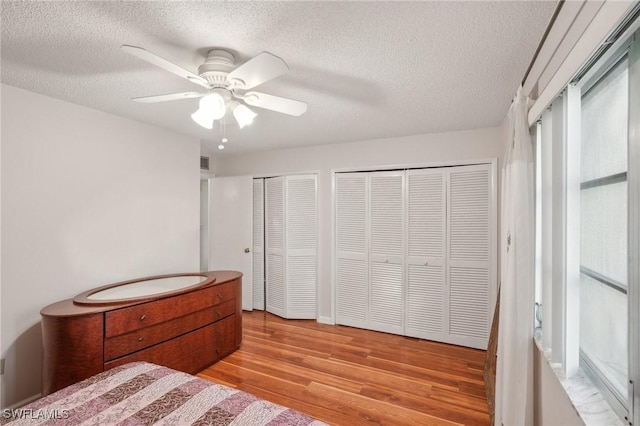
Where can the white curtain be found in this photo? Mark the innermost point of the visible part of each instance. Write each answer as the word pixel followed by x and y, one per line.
pixel 514 380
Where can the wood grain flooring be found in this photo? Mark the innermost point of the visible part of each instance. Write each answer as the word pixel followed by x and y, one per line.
pixel 348 376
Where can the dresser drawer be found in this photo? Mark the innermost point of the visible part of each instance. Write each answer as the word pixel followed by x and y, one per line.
pixel 130 319
pixel 189 352
pixel 125 344
pixel 225 327
pixel 225 345
pixel 224 337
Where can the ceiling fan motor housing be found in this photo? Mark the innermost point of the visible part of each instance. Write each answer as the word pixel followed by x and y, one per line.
pixel 216 67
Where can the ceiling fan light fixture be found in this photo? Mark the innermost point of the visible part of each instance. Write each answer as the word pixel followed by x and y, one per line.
pixel 243 115
pixel 214 105
pixel 220 76
pixel 203 118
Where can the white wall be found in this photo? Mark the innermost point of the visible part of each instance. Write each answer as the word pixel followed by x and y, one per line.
pixel 88 198
pixel 417 149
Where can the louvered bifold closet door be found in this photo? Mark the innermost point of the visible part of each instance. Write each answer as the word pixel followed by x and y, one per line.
pixel 469 249
pixel 386 248
pixel 301 247
pixel 258 244
pixel 427 293
pixel 275 246
pixel 352 249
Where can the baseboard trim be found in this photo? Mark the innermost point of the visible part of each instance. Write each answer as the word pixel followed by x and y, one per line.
pixel 326 320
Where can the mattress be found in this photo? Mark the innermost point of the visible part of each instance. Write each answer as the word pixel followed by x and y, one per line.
pixel 142 393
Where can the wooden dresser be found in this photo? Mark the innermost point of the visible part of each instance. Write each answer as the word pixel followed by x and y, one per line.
pixel 187 329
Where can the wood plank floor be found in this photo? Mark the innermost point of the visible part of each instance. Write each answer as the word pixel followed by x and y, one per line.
pixel 348 376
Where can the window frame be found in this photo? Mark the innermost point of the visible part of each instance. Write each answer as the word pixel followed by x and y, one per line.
pixel 597 73
pixel 560 267
pixel 633 182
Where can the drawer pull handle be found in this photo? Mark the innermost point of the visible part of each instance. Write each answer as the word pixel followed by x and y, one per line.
pixel 219 296
pixel 218 314
pixel 142 317
pixel 217 351
pixel 140 339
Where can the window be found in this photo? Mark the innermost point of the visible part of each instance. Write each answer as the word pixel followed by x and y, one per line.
pixel 603 232
pixel 587 225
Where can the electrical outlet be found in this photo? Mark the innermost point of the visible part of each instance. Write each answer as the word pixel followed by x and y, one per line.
pixel 1 366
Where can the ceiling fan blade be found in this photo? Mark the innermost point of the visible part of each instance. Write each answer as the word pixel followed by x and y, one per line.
pixel 156 60
pixel 170 97
pixel 275 103
pixel 258 70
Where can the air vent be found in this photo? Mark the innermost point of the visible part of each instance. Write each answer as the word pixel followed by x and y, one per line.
pixel 204 163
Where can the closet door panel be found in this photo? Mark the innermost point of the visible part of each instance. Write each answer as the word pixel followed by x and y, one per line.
pixel 386 298
pixel 469 304
pixel 426 315
pixel 275 246
pixel 426 301
pixel 386 301
pixel 258 244
pixel 301 237
pixel 275 285
pixel 352 247
pixel 469 254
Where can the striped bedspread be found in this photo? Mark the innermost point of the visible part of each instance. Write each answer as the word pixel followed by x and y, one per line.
pixel 141 393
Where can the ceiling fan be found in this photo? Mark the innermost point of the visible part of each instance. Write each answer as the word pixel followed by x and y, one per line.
pixel 226 85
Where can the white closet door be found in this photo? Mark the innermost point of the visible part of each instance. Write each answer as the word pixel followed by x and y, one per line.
pixel 258 244
pixel 275 246
pixel 352 249
pixel 301 247
pixel 386 262
pixel 469 250
pixel 427 292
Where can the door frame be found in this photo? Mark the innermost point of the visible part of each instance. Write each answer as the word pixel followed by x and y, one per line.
pixel 247 287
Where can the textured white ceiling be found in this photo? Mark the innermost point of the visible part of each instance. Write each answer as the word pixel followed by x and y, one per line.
pixel 367 69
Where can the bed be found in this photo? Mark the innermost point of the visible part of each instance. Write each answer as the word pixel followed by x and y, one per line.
pixel 142 393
